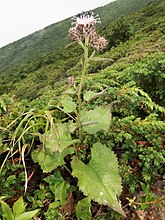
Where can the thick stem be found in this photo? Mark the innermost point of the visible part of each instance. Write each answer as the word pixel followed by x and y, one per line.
pixel 84 68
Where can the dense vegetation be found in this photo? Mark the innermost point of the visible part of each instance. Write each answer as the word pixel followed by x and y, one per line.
pixel 44 148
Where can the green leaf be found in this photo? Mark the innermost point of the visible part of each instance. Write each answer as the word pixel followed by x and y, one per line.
pixel 61 192
pixel 96 120
pixel 56 142
pixel 70 91
pixel 68 104
pixel 100 180
pixel 7 212
pixel 58 186
pixel 83 211
pixel 72 127
pixel 57 138
pixel 19 206
pixel 50 160
pixel 27 215
pixel 54 205
pixel 88 95
pixel 2 104
pixel 101 59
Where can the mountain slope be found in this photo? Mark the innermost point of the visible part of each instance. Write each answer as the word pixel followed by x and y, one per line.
pixel 130 39
pixel 54 36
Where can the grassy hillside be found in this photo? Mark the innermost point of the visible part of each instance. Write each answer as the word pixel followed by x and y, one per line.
pixel 54 36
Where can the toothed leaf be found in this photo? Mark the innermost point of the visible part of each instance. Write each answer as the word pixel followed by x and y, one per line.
pixel 97 119
pixel 48 160
pixel 57 138
pixel 100 180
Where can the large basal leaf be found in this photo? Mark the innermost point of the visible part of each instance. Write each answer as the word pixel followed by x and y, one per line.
pixel 96 120
pixel 100 180
pixel 50 160
pixel 57 138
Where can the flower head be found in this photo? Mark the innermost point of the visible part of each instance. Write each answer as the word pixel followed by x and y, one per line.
pixel 86 18
pixel 99 43
pixel 85 26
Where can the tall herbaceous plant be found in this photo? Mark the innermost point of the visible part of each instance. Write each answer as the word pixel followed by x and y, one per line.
pixel 95 166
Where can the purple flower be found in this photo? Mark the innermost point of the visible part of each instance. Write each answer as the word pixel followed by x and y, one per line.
pixel 85 26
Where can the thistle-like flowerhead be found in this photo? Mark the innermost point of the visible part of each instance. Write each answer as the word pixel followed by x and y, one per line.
pixel 85 26
pixel 86 19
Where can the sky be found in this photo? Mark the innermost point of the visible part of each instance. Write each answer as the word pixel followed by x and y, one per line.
pixel 19 18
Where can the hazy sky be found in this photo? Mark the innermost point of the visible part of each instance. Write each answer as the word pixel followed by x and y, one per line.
pixel 19 18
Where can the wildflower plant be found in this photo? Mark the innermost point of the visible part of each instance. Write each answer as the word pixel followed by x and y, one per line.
pixel 67 124
pixel 84 33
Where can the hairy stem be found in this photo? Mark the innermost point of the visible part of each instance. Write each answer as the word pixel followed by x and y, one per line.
pixel 84 68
